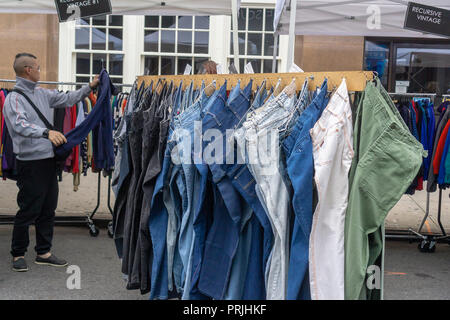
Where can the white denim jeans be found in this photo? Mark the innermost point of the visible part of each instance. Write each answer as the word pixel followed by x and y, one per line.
pixel 332 138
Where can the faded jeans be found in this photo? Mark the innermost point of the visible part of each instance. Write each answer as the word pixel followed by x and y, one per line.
pixel 271 189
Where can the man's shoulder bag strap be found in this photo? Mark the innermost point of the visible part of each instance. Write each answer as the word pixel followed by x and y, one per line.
pixel 41 116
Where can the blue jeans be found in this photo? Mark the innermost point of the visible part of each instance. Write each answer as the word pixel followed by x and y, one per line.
pixel 204 206
pixel 203 219
pixel 158 221
pixel 223 238
pixel 186 236
pixel 187 98
pixel 300 165
pixel 243 182
pixel 262 233
pixel 254 286
pixel 173 199
pixel 239 268
pixel 259 99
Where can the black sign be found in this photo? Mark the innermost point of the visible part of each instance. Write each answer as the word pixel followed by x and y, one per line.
pixel 427 19
pixel 75 9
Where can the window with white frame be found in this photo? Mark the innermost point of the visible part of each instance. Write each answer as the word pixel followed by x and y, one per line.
pixel 172 42
pixel 256 39
pixel 99 43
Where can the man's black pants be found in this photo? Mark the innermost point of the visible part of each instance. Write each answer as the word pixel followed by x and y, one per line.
pixel 37 200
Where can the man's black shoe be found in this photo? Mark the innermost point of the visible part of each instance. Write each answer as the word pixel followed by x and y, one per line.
pixel 51 261
pixel 20 265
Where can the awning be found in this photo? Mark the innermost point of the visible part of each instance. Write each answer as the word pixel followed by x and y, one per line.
pixel 144 7
pixel 132 7
pixel 350 17
pixel 382 18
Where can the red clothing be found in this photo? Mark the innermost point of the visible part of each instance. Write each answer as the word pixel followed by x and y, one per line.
pixel 419 184
pixel 67 126
pixel 2 102
pixel 440 148
pixel 93 99
pixel 76 150
pixel 416 112
pixel 124 105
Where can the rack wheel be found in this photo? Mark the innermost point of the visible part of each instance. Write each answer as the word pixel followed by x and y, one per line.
pixel 110 230
pixel 93 230
pixel 427 246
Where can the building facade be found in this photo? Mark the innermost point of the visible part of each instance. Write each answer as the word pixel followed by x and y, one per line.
pixel 144 45
pixel 38 34
pixel 128 46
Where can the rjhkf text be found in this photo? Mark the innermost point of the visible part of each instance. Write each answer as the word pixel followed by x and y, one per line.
pixel 231 309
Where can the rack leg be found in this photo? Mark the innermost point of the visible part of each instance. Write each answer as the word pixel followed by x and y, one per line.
pixel 439 213
pixel 427 213
pixel 110 224
pixel 93 230
pixel 109 194
pixel 98 196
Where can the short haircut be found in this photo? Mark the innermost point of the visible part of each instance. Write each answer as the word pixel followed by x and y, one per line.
pixel 18 67
pixel 24 54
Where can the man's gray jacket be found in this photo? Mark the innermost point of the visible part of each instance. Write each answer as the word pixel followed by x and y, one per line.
pixel 23 123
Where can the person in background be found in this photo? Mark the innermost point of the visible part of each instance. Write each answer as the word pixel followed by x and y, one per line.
pixel 33 145
pixel 209 67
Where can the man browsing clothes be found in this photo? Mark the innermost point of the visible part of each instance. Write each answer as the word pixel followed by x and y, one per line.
pixel 33 145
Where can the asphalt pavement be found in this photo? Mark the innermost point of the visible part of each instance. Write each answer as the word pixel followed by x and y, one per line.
pixel 409 274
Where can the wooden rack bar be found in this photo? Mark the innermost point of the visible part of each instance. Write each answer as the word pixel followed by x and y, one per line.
pixel 356 80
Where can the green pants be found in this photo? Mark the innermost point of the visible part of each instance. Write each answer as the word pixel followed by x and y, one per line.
pixel 387 159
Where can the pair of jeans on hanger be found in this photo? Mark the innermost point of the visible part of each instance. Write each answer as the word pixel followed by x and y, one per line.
pixel 262 148
pixel 187 121
pixel 154 140
pixel 297 149
pixel 332 139
pixel 223 238
pixel 386 160
pixel 122 172
pixel 179 198
pixel 131 260
pixel 157 219
pixel 205 206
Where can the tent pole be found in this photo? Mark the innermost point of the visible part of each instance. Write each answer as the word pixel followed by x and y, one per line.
pixel 275 48
pixel 291 47
pixel 234 14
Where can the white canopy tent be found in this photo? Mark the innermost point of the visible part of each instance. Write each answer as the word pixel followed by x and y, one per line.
pixel 132 7
pixel 346 18
pixel 143 7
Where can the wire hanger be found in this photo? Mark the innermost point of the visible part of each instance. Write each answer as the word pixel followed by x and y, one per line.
pixel 187 97
pixel 251 108
pixel 277 89
pixel 210 88
pixel 298 103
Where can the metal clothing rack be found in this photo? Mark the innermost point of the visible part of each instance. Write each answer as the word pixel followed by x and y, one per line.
pixel 57 83
pixel 74 220
pixel 428 243
pixel 413 94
